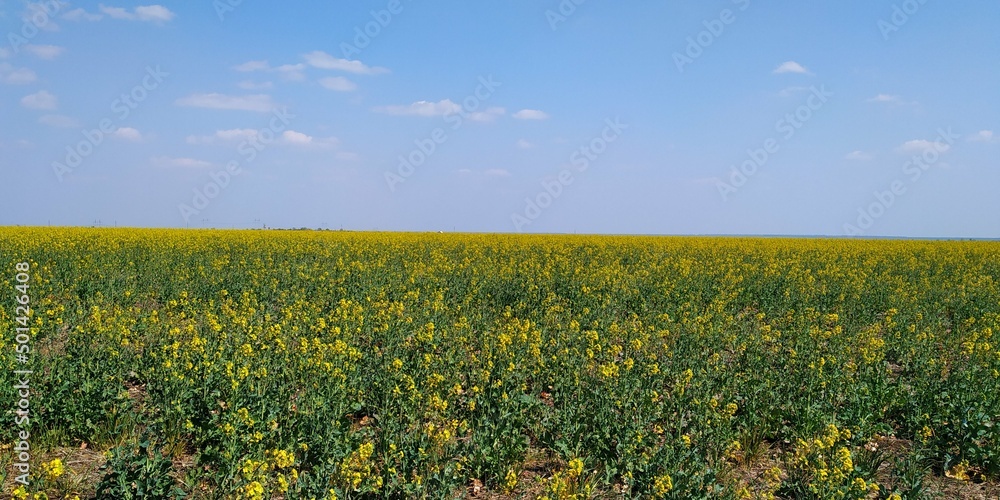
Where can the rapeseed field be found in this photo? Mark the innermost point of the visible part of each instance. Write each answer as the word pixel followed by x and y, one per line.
pixel 318 365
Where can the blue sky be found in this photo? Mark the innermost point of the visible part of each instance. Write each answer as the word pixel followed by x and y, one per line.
pixel 711 117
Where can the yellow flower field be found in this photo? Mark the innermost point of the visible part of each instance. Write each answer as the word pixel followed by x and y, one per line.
pixel 303 364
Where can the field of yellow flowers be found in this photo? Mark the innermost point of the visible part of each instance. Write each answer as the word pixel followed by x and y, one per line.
pixel 302 364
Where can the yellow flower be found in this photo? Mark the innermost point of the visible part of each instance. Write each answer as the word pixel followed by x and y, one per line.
pixel 662 485
pixel 282 459
pixel 54 469
pixel 575 467
pixel 365 451
pixel 253 491
pixel 510 480
pixel 959 471
pixel 926 433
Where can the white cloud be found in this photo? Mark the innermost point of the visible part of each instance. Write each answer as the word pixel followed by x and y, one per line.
pixel 236 133
pixel 152 13
pixel 58 121
pixel 250 85
pixel 166 161
pixel 292 72
pixel 531 114
pixel 858 156
pixel 886 98
pixel 288 138
pixel 128 134
pixel 983 136
pixel 223 135
pixel 256 102
pixel 322 60
pixel 918 146
pixel 488 115
pixel 253 66
pixel 157 13
pixel 81 15
pixel 298 138
pixel 497 172
pixel 40 100
pixel 116 12
pixel 421 108
pixel 338 83
pixel 524 144
pixel 16 76
pixel 44 51
pixel 295 138
pixel 791 67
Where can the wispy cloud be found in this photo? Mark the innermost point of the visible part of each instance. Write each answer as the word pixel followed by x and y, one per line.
pixel 256 102
pixel 44 51
pixel 791 67
pixel 421 108
pixel 288 138
pixel 79 14
pixel 42 99
pixel 252 66
pixel 918 146
pixel 292 72
pixel 338 83
pixel 251 85
pixel 488 115
pixel 322 60
pixel 891 99
pixel 859 156
pixel 296 138
pixel 531 114
pixel 167 161
pixel 984 136
pixel 886 98
pixel 127 134
pixel 58 121
pixel 16 76
pixel 524 144
pixel 223 135
pixel 150 13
